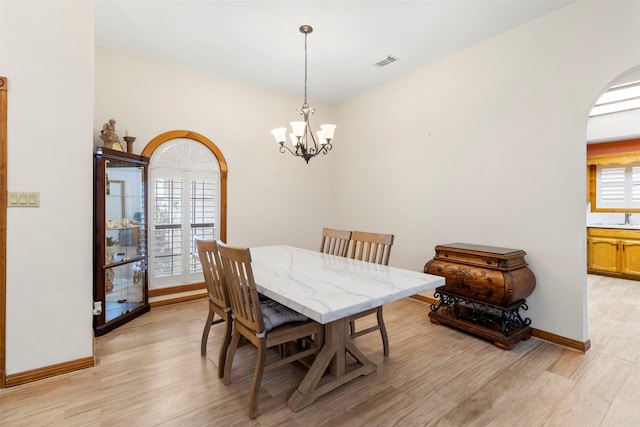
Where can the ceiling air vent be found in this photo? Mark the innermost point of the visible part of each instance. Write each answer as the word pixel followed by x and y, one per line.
pixel 385 61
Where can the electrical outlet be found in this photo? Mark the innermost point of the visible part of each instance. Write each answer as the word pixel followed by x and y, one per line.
pixel 97 308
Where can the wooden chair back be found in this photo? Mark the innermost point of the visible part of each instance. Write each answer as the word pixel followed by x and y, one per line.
pixel 212 272
pixel 218 299
pixel 335 242
pixel 370 247
pixel 241 287
pixel 376 248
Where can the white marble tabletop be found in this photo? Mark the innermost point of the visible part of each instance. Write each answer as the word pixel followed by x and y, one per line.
pixel 327 287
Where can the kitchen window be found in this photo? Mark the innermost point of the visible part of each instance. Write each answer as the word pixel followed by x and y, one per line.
pixel 618 186
pixel 613 176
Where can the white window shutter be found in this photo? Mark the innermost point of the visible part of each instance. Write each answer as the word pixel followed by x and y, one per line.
pixel 635 186
pixel 618 186
pixel 611 191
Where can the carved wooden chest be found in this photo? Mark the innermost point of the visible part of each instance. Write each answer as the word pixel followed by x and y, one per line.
pixel 485 287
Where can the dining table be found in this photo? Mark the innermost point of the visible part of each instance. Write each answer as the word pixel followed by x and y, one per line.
pixel 329 289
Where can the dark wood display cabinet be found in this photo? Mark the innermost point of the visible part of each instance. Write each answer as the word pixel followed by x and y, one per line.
pixel 120 239
pixel 485 288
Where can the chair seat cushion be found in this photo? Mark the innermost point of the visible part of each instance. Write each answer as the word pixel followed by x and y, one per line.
pixel 276 314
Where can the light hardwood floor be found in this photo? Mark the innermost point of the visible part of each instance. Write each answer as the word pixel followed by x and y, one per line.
pixel 150 373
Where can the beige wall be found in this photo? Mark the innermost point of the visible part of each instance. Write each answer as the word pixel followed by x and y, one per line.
pixel 47 56
pixel 487 146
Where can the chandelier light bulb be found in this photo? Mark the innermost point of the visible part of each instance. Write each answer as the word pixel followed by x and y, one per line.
pixel 298 128
pixel 321 137
pixel 327 131
pixel 280 134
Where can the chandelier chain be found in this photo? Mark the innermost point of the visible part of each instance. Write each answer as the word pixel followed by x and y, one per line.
pixel 305 69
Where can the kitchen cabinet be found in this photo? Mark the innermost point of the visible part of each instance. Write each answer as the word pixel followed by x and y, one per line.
pixel 613 252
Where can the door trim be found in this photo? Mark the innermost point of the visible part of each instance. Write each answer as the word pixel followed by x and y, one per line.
pixel 3 229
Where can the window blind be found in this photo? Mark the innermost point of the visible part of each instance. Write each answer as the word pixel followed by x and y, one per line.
pixel 618 186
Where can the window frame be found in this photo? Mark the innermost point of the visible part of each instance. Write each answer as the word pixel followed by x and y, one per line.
pixel 148 151
pixel 617 186
pixel 604 160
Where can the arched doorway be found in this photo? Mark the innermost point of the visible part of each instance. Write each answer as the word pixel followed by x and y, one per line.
pixel 187 200
pixel 613 144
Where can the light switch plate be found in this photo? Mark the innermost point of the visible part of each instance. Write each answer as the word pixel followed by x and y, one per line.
pixel 22 199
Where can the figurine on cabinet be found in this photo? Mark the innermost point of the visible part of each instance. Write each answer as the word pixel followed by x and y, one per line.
pixel 109 136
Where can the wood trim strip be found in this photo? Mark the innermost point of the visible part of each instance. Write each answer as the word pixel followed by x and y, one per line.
pixel 3 228
pixel 562 341
pixel 424 299
pixel 608 159
pixel 49 371
pixel 536 333
pixel 176 289
pixel 177 300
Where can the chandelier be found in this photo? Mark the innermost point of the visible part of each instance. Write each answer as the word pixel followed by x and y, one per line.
pixel 304 142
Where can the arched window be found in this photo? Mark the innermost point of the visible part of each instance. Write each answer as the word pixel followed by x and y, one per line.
pixel 187 200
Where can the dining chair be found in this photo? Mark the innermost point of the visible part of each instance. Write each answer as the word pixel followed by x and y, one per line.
pixel 335 242
pixel 376 248
pixel 265 324
pixel 218 299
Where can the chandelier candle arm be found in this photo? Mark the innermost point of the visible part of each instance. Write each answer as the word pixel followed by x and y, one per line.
pixel 302 138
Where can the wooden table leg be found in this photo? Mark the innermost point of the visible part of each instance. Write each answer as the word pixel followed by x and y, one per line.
pixel 332 356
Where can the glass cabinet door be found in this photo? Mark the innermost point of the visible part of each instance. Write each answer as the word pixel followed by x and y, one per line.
pixel 120 285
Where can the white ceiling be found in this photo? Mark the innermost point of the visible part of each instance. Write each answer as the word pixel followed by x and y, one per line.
pixel 258 42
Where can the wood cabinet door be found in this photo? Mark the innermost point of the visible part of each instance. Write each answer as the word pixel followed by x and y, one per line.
pixel 630 257
pixel 604 254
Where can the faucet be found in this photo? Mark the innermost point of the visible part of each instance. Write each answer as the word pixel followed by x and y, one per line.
pixel 627 214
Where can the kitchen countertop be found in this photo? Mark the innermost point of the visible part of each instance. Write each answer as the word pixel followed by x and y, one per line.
pixel 614 225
